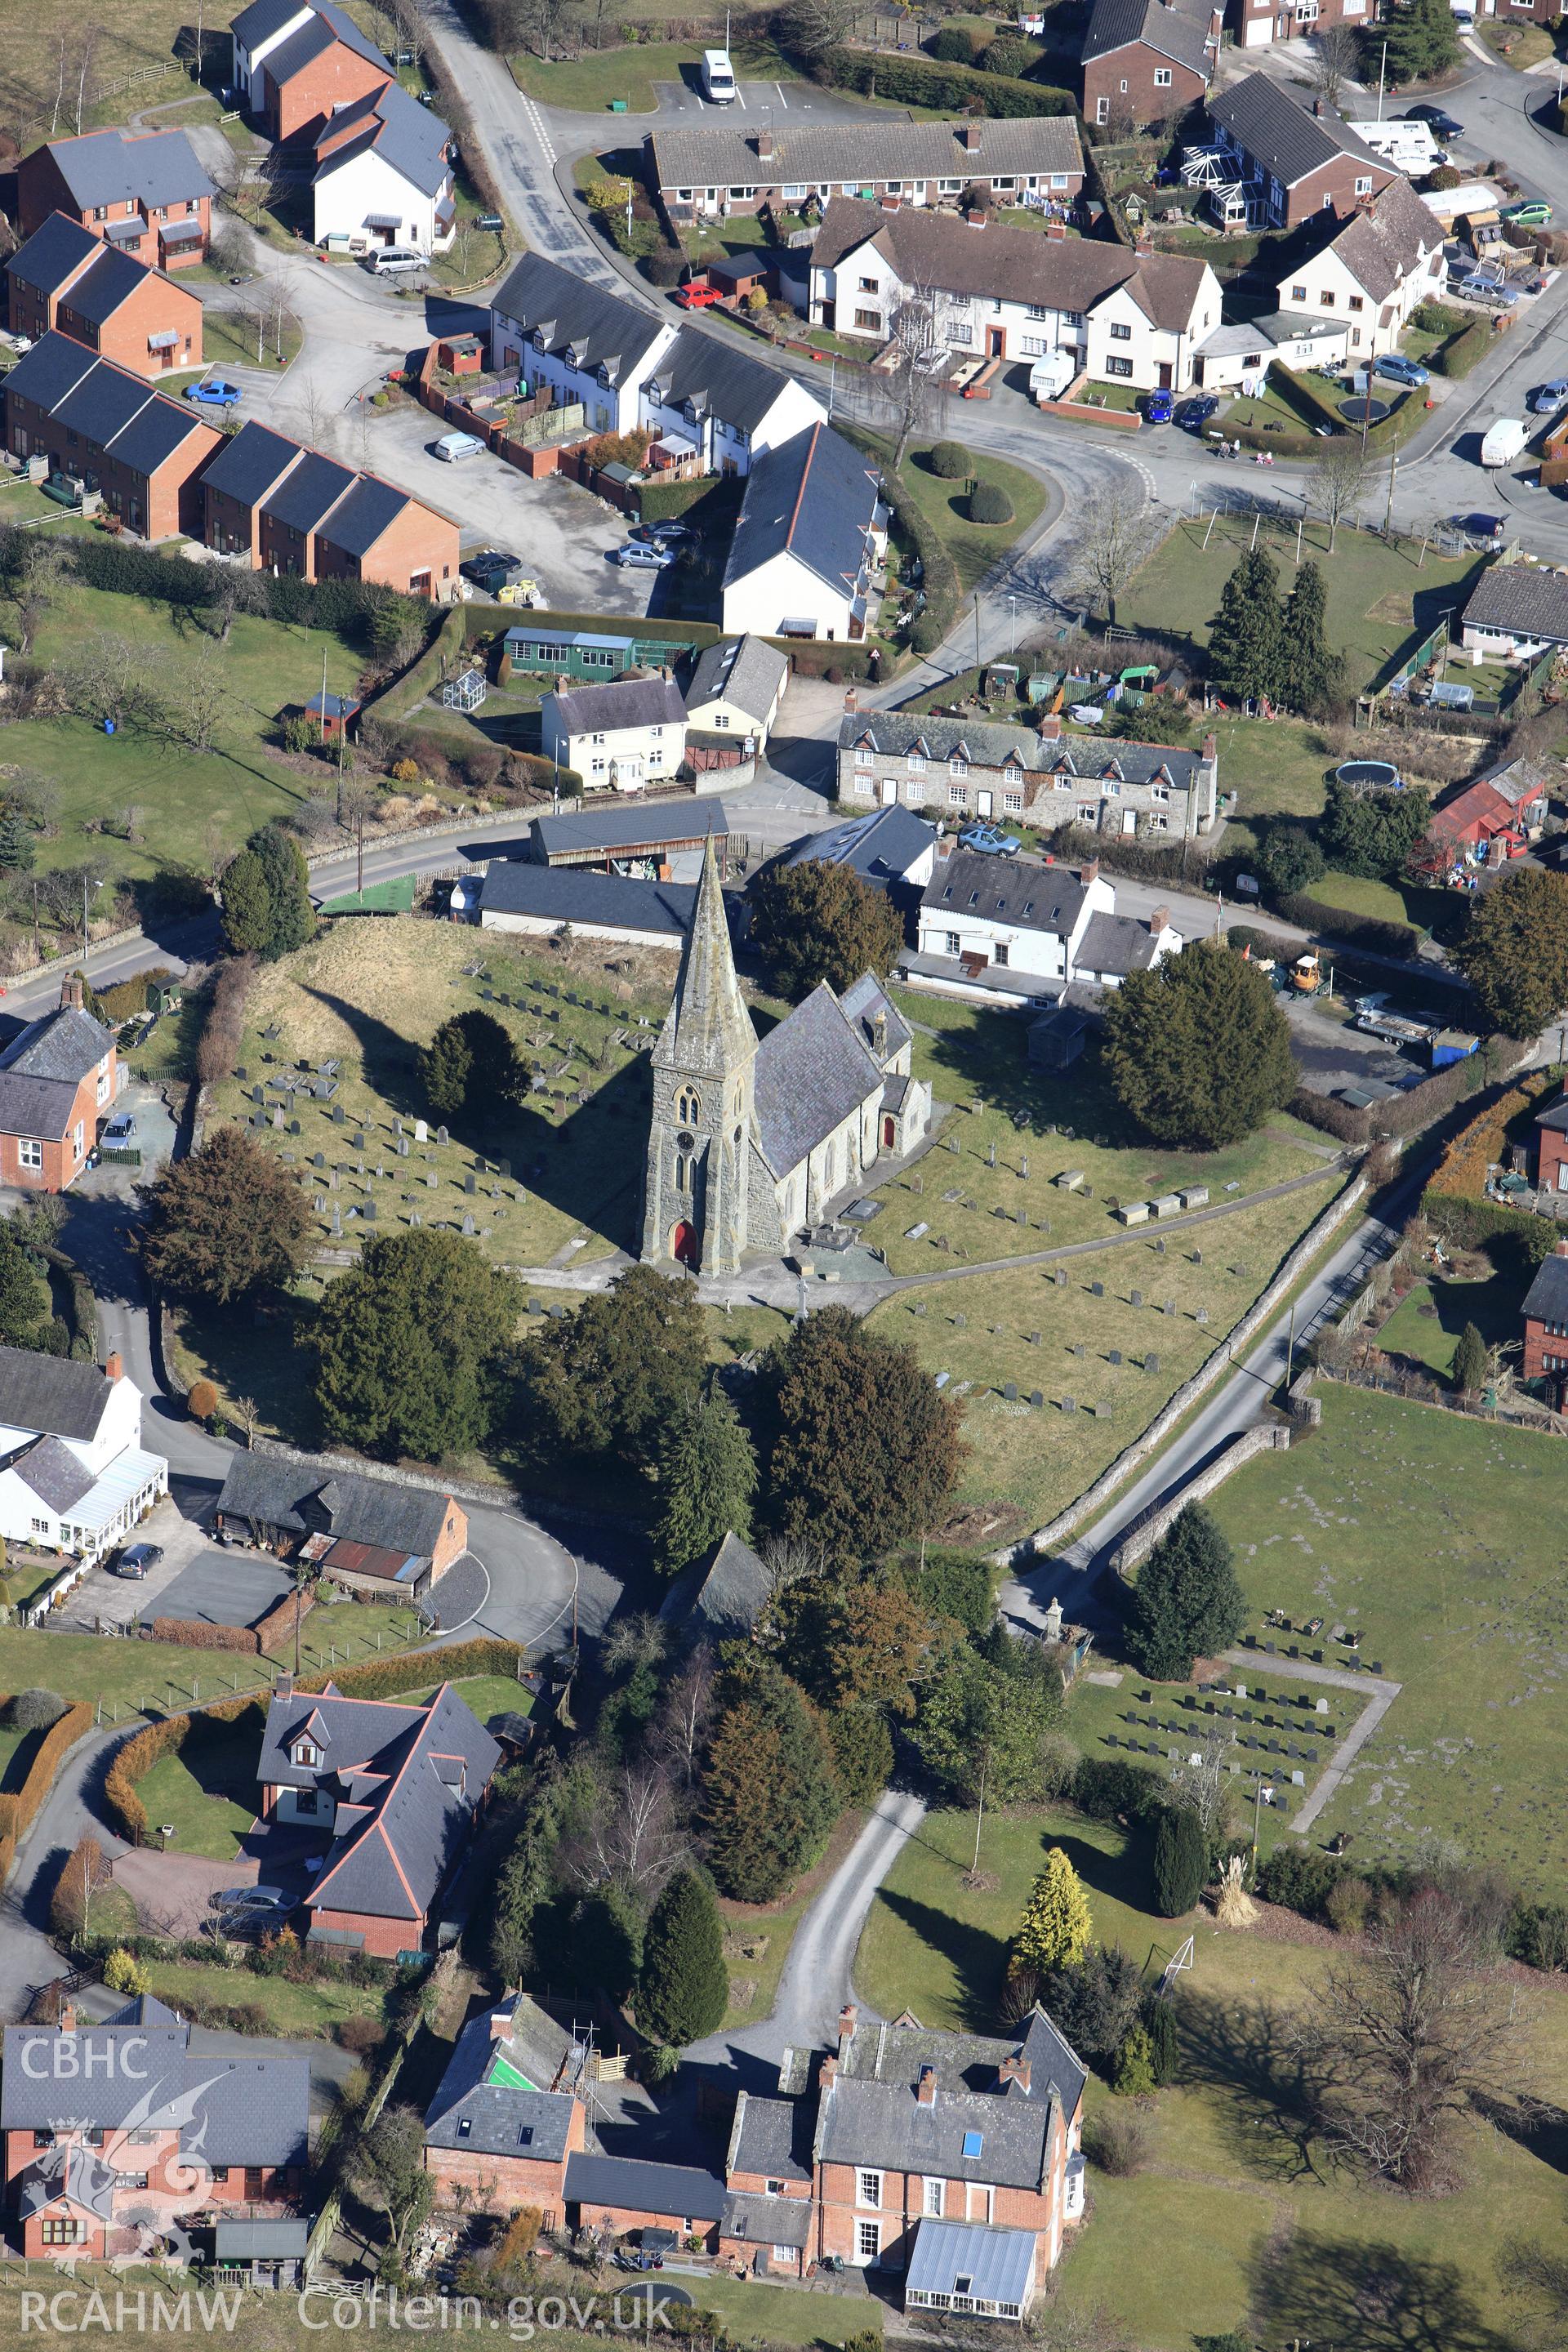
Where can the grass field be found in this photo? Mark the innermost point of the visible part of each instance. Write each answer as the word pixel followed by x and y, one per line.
pixel 586 85
pixel 190 805
pixel 1027 1463
pixel 1382 599
pixel 1238 2215
pixel 129 36
pixel 207 1793
pixel 1436 1537
pixel 154 1678
pixel 974 547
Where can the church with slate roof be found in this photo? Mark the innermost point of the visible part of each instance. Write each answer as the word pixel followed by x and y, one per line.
pixel 752 1141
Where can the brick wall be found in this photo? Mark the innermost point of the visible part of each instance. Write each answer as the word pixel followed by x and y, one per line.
pixel 500 2184
pixel 1552 1154
pixel 1121 86
pixel 384 1938
pixel 417 554
pixel 61 1162
pixel 331 80
pixel 453 1539
pixel 615 2221
pixel 229 525
pixel 1332 188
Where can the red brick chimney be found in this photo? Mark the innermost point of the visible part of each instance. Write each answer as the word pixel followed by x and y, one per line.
pixel 1319 109
pixel 1013 2070
pixel 68 2017
pixel 1052 728
pixel 847 2017
pixel 1561 1250
pixel 851 698
pixel 765 146
pixel 890 204
pixel 113 1366
pixel 1057 232
pixel 1091 873
pixel 975 219
pixel 1158 920
pixel 1143 245
pixel 925 2089
pixel 972 138
pixel 70 991
pixel 827 2075
pixel 500 2025
pixel 1211 747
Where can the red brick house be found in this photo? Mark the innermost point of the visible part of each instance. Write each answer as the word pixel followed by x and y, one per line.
pixel 57 1078
pixel 615 2196
pixel 1299 160
pixel 92 418
pixel 118 2135
pixel 1144 61
pixel 297 61
pixel 65 276
pixel 1552 1146
pixel 142 192
pixel 399 1789
pixel 509 2114
pixel 1545 1308
pixel 295 511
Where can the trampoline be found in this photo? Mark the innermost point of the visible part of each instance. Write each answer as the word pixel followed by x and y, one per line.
pixel 1369 775
pixel 1365 412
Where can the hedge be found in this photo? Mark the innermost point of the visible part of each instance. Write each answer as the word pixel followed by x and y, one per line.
pixel 944 589
pixel 341 606
pixel 480 620
pixel 814 658
pixel 20 1809
pixel 450 641
pixel 1363 931
pixel 947 89
pixel 385 1678
pixel 276 1629
pixel 1397 425
pixel 1123 854
pixel 1461 355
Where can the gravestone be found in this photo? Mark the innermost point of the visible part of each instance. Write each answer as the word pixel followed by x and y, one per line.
pixel 1024 1217
pixel 294 1127
pixel 320 1204
pixel 1202 1315
pixel 339 1115
pixel 1151 1364
pixel 1197 1257
pixel 334 1180
pixel 1010 1391
pixel 1033 1338
pixel 991 1155
pixel 917 1184
pixel 1061 1278
pixel 1169 1307
pixel 1320 1705
pixel 1070 1405
pixel 1160 1248
pixel 1079 1348
pixel 337 1223
pixel 415 1218
pixel 258 1093
pixel 441 1137
pixel 1097 1289
pixel 961 1322
pixel 920 1307
pixel 470 1184
pixel 421 1132
pixel 241 1073
pixel 432 1180
pixel 952 1143
pixel 467 1227
pixel 1102 1412
pixel 358 1142
pixel 278 1117
pixel 1036 1397
pixel 1136 1300
pixel 1023 1169
pixel 368 1209
pixel 403 1147
pixel 503 1169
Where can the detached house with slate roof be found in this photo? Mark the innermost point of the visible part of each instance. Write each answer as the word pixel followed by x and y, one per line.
pixel 383 173
pixel 809 541
pixel 58 1078
pixel 398 1788
pixel 74 1477
pixel 509 2114
pixel 118 2135
pixel 994 927
pixel 1373 272
pixel 1515 612
pixel 1297 160
pixel 143 193
pixel 65 276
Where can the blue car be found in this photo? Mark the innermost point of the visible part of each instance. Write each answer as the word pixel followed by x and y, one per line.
pixel 1159 407
pixel 1402 371
pixel 990 841
pixel 1550 397
pixel 214 394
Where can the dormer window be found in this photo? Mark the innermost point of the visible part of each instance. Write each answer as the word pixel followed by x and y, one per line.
pixel 306 1754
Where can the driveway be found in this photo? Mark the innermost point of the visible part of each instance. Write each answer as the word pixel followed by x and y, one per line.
pixel 173 1892
pixel 103 1603
pixel 226 1587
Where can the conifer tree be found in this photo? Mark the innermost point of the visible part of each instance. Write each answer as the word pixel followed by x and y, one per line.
pixel 707 1476
pixel 1187 1603
pixel 16 842
pixel 684 1988
pixel 445 1067
pixel 293 918
pixel 1311 674
pixel 1471 1362
pixel 1056 1927
pixel 1246 641
pixel 1181 1864
pixel 247 905
pixel 770 1794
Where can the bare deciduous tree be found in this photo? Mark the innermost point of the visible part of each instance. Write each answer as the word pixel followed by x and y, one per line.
pixel 678 1732
pixel 1120 528
pixel 1202 1784
pixel 631 1837
pixel 1336 483
pixel 311 413
pixel 1332 60
pixel 203 697
pixel 632 1642
pixel 911 390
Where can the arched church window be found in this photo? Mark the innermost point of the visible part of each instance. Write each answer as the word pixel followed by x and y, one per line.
pixel 682 1173
pixel 688 1106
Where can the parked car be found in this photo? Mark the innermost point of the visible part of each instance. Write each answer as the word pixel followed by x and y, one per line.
pixel 661 534
pixel 1489 291
pixel 1395 365
pixel 398 260
pixel 1533 213
pixel 1159 407
pixel 136 1560
pixel 1550 397
pixel 1193 415
pixel 216 393
pixel 1483 530
pixel 451 446
pixel 253 1898
pixel 488 560
pixel 698 297
pixel 990 841
pixel 121 1128
pixel 1442 124
pixel 634 557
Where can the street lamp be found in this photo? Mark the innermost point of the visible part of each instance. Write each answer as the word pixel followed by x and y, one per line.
pixel 86 886
pixel 1013 625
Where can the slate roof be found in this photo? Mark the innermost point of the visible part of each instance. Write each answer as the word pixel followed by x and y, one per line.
pixel 1518 597
pixel 578 893
pixel 998 2264
pixel 52 1394
pixel 769 2138
pixel 1283 137
pixel 721 1596
pixel 328 24
pixel 100 289
pixel 1179 34
pixel 359 519
pixel 103 403
pixel 893 734
pixel 156 432
pixel 1546 1300
pixel 229 2110
pixel 247 467
pixel 604 330
pixel 883 2123
pixel 628 829
pixel 45 373
pixel 638 2187
pixel 497 2118
pixel 745 671
pixel 53 1473
pixel 1015 264
pixel 107 167
pixel 36 1106
pixel 69 2174
pixel 53 254
pixel 308 494
pixel 245 2242
pixel 766 2221
pixel 811 1073
pixel 1017 891
pixel 620 702
pixel 891 147
pixel 407 137
pixel 718 381
pixel 816 498
pixel 1116 944
pixel 880 847
pixel 864 1004
pixel 66 1044
pixel 897 2052
pixel 1381 246
pixel 261 20
pixel 302 1497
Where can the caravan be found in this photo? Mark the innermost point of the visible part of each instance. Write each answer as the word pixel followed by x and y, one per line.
pixel 1408 146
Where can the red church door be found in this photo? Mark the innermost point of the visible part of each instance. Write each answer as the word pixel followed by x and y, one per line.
pixel 683 1244
pixel 889 1134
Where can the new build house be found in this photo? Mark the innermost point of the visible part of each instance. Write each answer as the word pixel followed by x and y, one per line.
pixel 58 1079
pixel 291 509
pixel 718 409
pixel 74 1477
pixel 1263 21
pixel 1148 60
pixel 1372 271
pixel 65 276
pixel 809 541
pixel 697 175
pixel 1015 927
pixel 144 192
pixel 1545 1315
pixel 1012 294
pixel 297 61
pixel 382 174
pixel 1297 160
pixel 959 769
pixel 92 418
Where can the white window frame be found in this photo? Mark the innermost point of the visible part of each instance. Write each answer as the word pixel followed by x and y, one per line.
pixel 29 1151
pixel 868 2190
pixel 867 2242
pixel 1162 77
pixel 931 2198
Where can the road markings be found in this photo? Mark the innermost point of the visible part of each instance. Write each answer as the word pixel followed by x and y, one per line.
pixel 535 122
pixel 740 97
pixel 783 100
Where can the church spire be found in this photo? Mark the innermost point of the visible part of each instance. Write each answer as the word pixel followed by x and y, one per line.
pixel 708 1028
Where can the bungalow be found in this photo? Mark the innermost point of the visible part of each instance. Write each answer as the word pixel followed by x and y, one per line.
pixel 65 276
pixel 617 737
pixel 397 1789
pixel 809 541
pixel 1299 160
pixel 1013 293
pixel 961 769
pixel 510 2113
pixel 367 1534
pixel 585 344
pixel 736 689
pixel 1545 1313
pixel 297 61
pixel 143 193
pixel 1031 159
pixel 118 2134
pixel 1238 356
pixel 383 173
pixel 73 1475
pixel 1516 611
pixel 1144 61
pixel 1375 270
pixel 589 655
pixel 93 419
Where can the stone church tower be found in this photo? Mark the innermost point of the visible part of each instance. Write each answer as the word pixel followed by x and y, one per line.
pixel 699 1141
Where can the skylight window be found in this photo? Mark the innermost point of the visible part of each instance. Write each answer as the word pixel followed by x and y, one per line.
pixel 973 2143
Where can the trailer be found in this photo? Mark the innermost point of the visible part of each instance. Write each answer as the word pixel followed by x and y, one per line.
pixel 1394 1029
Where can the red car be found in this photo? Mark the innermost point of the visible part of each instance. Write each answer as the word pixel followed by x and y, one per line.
pixel 699 298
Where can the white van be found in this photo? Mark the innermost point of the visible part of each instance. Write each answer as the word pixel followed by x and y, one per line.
pixel 453 446
pixel 717 77
pixel 1504 441
pixel 393 260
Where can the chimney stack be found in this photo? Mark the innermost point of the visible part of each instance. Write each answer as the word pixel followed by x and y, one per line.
pixel 1013 2070
pixel 1158 920
pixel 890 204
pixel 925 2089
pixel 975 219
pixel 851 698
pixel 1143 245
pixel 113 1366
pixel 1211 748
pixel 1319 109
pixel 1052 728
pixel 826 2075
pixel 71 992
pixel 501 2024
pixel 68 2017
pixel 1561 1250
pixel 284 1686
pixel 1056 232
pixel 1091 873
pixel 972 138
pixel 765 146
pixel 847 2017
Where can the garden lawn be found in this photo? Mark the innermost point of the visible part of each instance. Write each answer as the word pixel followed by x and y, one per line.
pixel 489 1695
pixel 759 2311
pixel 1388 902
pixel 190 805
pixel 1382 599
pixel 131 36
pixel 1238 2215
pixel 1436 1537
pixel 207 1792
pixel 295 2011
pixel 1026 1463
pixel 126 1676
pixel 586 85
pixel 227 343
pixel 974 547
pixel 1427 1324
pixel 970 1056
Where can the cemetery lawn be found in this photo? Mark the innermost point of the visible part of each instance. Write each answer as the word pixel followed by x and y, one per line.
pixel 1239 2218
pixel 1436 1536
pixel 1026 1464
pixel 192 805
pixel 1382 599
pixel 970 1055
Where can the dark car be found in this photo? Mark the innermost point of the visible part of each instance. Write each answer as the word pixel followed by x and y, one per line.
pixel 1443 125
pixel 1488 531
pixel 479 567
pixel 137 1558
pixel 661 534
pixel 1193 415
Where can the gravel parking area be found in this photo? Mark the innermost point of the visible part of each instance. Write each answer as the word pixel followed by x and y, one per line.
pixel 1331 1055
pixel 222 1588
